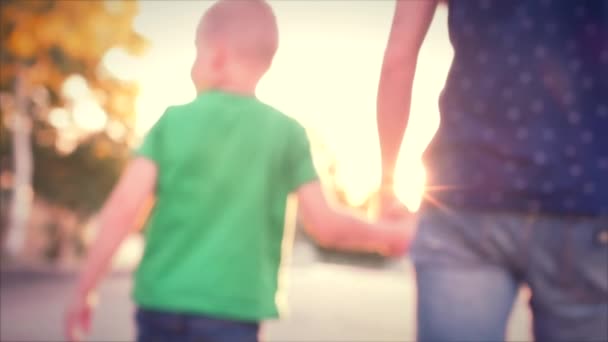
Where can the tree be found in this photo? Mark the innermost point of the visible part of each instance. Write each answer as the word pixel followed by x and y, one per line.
pixel 44 43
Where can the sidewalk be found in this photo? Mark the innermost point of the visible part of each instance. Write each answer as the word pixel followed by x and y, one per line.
pixel 126 259
pixel 345 300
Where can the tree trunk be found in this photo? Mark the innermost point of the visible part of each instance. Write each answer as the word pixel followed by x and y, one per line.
pixel 21 200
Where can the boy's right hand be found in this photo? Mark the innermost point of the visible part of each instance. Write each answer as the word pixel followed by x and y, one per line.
pixel 398 228
pixel 390 205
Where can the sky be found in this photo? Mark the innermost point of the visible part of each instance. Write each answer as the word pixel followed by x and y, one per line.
pixel 325 75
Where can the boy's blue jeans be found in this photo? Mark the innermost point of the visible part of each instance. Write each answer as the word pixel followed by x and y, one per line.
pixel 469 267
pixel 157 326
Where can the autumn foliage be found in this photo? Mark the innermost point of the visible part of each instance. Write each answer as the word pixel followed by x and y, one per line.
pixel 47 42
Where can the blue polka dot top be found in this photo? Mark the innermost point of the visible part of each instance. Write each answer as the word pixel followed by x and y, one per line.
pixel 524 112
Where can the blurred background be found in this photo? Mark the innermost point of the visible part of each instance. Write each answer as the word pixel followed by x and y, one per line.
pixel 81 82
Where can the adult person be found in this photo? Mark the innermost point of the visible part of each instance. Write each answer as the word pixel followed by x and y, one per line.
pixel 517 171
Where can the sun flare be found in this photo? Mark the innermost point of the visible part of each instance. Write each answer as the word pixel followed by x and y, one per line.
pixel 324 75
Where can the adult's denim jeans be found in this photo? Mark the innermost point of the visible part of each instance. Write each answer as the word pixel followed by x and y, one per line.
pixel 469 267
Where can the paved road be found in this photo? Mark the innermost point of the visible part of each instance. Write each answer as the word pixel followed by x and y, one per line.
pixel 327 302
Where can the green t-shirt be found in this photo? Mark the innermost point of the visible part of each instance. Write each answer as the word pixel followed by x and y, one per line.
pixel 226 165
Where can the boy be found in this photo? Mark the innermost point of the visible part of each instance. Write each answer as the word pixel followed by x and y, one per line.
pixel 221 168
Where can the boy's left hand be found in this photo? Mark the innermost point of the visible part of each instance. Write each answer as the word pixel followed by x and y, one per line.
pixel 78 318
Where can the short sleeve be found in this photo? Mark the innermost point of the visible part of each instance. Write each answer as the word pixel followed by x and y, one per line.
pixel 301 169
pixel 151 148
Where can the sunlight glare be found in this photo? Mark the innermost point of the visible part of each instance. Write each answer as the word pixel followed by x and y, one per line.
pixel 121 65
pixel 324 75
pixel 59 118
pixel 74 87
pixel 67 141
pixel 88 115
pixel 116 130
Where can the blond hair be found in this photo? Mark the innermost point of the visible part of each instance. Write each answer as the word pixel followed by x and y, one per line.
pixel 246 27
